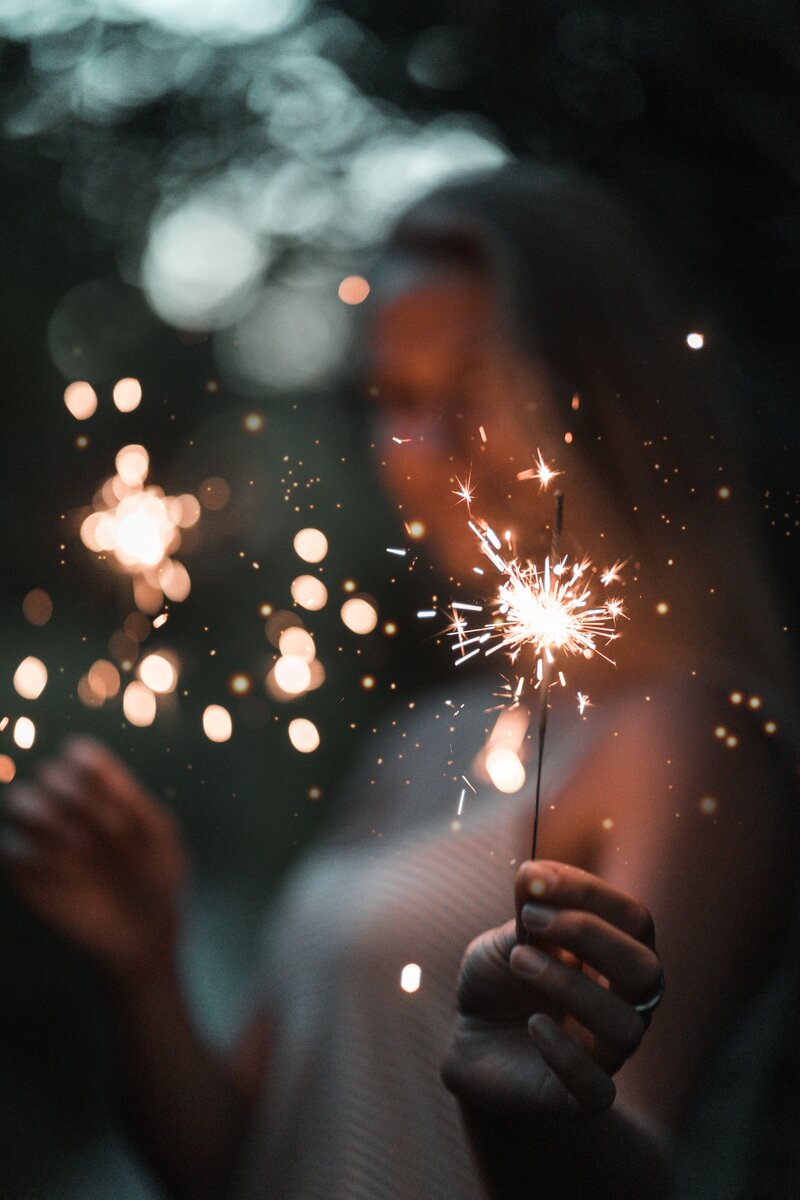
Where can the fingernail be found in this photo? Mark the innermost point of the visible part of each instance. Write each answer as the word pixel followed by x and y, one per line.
pixel 543 881
pixel 527 961
pixel 542 1030
pixel 537 916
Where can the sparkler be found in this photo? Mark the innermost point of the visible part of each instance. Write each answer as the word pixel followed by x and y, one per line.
pixel 550 609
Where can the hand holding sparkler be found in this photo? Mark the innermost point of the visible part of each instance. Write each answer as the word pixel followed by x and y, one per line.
pixel 543 1032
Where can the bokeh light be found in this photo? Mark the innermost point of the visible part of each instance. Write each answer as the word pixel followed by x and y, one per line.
pixel 411 977
pixel 103 679
pixel 298 642
pixel 309 592
pixel 139 704
pixel 292 674
pixel 359 615
pixel 30 678
pixel 304 735
pixel 8 768
pixel 80 399
pixel 311 545
pixel 354 289
pixel 505 769
pixel 37 607
pixel 127 394
pixel 24 733
pixel 132 463
pixel 217 723
pixel 158 673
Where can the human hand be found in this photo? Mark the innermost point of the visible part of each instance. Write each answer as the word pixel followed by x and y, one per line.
pixel 546 1010
pixel 97 857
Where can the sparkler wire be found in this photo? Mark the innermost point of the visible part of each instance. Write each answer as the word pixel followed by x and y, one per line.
pixel 547 667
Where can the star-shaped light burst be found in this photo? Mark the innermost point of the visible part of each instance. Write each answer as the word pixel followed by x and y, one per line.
pixel 541 471
pixel 465 491
pixel 551 610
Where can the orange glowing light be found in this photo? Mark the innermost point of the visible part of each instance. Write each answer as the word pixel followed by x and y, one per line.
pixel 311 545
pixel 292 674
pixel 158 673
pixel 309 592
pixel 37 607
pixel 354 289
pixel 359 615
pixel 139 704
pixel 505 769
pixel 24 733
pixel 214 493
pixel 217 723
pixel 411 977
pixel 127 394
pixel 253 422
pixel 30 678
pixel 304 735
pixel 80 399
pixel 8 768
pixel 297 642
pixel 103 679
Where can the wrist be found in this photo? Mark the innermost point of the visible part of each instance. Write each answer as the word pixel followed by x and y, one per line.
pixel 153 968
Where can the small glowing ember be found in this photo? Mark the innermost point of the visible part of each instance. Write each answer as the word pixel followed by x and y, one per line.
pixel 410 977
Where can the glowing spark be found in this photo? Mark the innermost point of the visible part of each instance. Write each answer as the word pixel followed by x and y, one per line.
pixel 583 703
pixel 461 801
pixel 612 574
pixel 464 491
pixel 392 550
pixel 551 611
pixel 401 441
pixel 541 471
pixel 425 613
pixel 482 432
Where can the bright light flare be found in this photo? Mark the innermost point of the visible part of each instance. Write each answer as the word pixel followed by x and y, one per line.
pixel 304 735
pixel 359 615
pixel 309 592
pixel 311 545
pixel 411 977
pixel 217 723
pixel 81 400
pixel 127 394
pixel 139 704
pixel 24 733
pixel 158 673
pixel 505 769
pixel 30 678
pixel 541 472
pixel 464 491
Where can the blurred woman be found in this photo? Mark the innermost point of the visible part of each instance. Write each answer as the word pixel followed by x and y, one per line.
pixel 515 313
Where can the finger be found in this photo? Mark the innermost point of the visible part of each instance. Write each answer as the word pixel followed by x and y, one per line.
pixel 31 812
pixel 100 819
pixel 565 886
pixel 575 1068
pixel 484 1068
pixel 108 780
pixel 632 969
pixel 562 989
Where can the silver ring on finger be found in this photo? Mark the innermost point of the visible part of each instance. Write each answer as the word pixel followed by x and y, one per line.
pixel 648 1005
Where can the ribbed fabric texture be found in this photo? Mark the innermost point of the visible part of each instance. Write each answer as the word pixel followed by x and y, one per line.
pixel 354 1108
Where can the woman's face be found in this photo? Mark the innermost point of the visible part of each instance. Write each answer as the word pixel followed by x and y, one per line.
pixel 454 400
